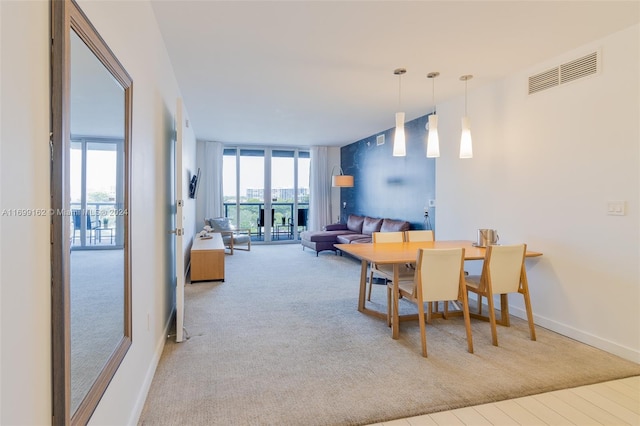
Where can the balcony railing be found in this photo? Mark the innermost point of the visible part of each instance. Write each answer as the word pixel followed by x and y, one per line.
pixel 282 227
pixel 100 229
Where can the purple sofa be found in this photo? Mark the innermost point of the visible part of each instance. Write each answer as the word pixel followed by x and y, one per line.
pixel 358 229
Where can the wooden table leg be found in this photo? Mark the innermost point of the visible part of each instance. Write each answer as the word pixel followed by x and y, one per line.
pixel 363 286
pixel 395 322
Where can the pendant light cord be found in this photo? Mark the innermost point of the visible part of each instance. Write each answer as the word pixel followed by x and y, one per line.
pixel 433 93
pixel 399 92
pixel 465 97
pixel 399 72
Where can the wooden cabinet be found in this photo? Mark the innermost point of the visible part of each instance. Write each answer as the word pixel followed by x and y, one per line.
pixel 207 258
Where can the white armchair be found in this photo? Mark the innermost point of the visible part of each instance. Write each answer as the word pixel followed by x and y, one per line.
pixel 232 237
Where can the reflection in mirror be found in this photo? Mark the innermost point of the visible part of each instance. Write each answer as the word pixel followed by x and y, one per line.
pixel 96 182
pixel 91 312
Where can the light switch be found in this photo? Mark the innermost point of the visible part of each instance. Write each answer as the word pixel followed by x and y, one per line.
pixel 616 208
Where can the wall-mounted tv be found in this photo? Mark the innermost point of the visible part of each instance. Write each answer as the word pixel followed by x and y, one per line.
pixel 193 185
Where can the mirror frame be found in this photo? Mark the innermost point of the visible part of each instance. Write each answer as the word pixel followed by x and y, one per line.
pixel 66 16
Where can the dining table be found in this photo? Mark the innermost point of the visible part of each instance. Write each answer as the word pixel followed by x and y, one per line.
pixel 398 254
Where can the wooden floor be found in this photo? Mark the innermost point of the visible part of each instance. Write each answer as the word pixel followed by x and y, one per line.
pixel 609 403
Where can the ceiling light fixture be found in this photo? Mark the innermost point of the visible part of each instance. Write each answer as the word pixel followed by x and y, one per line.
pixel 433 142
pixel 399 143
pixel 466 146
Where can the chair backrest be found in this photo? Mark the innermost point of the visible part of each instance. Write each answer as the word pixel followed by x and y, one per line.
pixel 219 224
pixel 504 265
pixel 302 217
pixel 439 274
pixel 261 217
pixel 419 235
pixel 387 237
pixel 76 219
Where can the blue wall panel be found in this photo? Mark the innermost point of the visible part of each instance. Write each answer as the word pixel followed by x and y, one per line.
pixel 388 186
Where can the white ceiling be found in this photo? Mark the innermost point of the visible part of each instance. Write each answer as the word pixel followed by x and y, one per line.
pixel 321 72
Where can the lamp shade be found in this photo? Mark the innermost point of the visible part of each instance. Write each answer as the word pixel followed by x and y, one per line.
pixel 466 148
pixel 344 181
pixel 433 142
pixel 399 144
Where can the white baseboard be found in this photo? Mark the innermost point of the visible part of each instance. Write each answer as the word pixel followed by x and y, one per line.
pixel 572 332
pixel 146 385
pixel 579 335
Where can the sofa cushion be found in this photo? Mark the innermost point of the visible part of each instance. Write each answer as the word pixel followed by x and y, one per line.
pixel 336 227
pixel 354 223
pixel 390 225
pixel 349 238
pixel 371 225
pixel 361 240
pixel 323 236
pixel 219 224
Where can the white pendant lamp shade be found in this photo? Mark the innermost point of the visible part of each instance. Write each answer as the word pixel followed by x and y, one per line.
pixel 466 146
pixel 399 142
pixel 433 142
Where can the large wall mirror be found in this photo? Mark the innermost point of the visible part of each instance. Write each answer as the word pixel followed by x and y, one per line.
pixel 91 97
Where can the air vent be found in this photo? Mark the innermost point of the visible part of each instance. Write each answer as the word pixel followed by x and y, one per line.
pixel 587 65
pixel 544 80
pixel 565 73
pixel 380 140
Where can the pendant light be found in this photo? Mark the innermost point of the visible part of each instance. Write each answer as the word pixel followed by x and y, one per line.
pixel 399 143
pixel 433 142
pixel 466 146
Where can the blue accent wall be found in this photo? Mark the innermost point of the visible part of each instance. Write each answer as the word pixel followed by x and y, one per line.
pixel 386 186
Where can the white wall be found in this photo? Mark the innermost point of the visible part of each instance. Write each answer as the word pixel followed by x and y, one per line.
pixel 129 28
pixel 544 168
pixel 25 295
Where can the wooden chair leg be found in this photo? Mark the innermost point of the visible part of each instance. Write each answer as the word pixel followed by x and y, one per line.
pixel 492 320
pixel 467 320
pixel 504 310
pixel 389 313
pixel 527 304
pixel 423 328
pixel 524 289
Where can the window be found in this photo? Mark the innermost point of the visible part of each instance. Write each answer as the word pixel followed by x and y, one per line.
pixel 264 189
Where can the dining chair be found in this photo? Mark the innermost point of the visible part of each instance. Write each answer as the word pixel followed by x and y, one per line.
pixel 439 277
pixel 419 235
pixel 503 272
pixel 386 271
pixel 261 221
pixel 77 223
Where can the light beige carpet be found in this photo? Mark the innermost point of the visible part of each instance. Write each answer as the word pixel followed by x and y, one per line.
pixel 281 342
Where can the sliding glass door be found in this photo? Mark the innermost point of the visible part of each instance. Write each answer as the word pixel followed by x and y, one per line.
pixel 96 193
pixel 267 191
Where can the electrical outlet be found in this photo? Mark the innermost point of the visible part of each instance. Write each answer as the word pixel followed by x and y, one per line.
pixel 616 208
pixel 432 203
